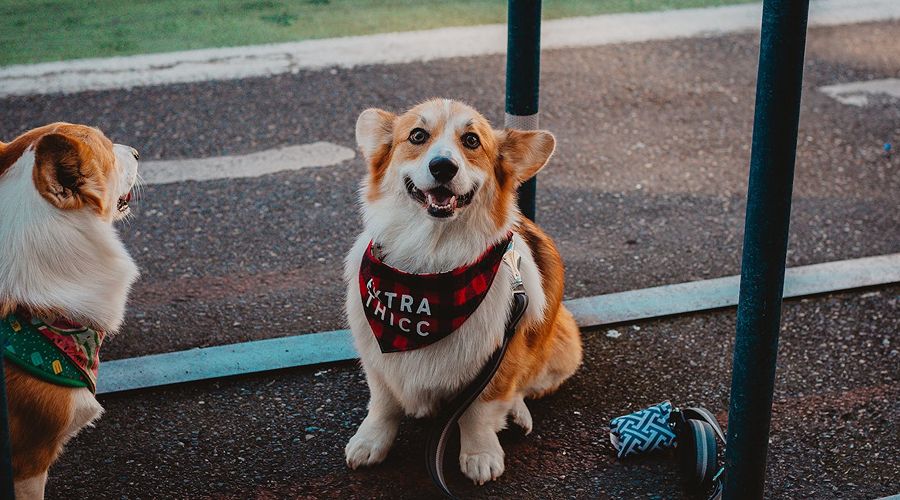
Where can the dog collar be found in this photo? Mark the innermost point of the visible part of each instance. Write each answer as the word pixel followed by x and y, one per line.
pixel 60 352
pixel 409 311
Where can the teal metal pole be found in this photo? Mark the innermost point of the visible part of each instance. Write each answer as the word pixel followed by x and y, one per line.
pixel 7 491
pixel 778 87
pixel 523 75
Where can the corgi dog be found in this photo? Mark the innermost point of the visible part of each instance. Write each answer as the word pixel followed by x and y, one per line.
pixel 64 281
pixel 440 197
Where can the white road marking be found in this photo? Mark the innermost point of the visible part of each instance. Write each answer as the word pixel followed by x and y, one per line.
pixel 391 48
pixel 317 154
pixel 856 93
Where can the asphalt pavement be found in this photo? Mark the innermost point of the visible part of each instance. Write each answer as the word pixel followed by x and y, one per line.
pixel 646 189
pixel 281 435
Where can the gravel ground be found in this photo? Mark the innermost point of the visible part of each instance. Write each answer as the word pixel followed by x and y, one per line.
pixel 281 435
pixel 647 189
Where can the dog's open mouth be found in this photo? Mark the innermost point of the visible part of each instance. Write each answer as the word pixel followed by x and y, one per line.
pixel 440 202
pixel 122 205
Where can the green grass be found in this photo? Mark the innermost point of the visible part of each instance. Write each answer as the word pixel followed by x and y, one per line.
pixel 34 31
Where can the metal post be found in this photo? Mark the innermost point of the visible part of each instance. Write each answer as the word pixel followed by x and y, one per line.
pixel 772 158
pixel 7 491
pixel 523 75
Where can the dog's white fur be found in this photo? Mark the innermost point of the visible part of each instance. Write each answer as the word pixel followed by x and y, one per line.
pixel 414 382
pixel 70 261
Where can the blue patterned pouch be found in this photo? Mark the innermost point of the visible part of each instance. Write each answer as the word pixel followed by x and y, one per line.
pixel 644 430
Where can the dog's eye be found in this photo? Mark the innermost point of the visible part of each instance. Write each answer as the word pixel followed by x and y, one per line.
pixel 418 136
pixel 471 140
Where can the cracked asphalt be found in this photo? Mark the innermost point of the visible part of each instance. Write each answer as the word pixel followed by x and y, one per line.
pixel 647 188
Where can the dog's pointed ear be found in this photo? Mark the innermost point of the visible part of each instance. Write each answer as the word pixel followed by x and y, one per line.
pixel 525 152
pixel 374 131
pixel 60 174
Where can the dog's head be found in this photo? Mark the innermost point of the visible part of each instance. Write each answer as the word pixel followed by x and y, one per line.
pixel 443 163
pixel 61 188
pixel 76 167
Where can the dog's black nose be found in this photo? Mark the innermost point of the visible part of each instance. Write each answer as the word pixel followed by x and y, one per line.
pixel 442 168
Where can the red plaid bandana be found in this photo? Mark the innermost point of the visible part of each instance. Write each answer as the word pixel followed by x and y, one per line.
pixel 410 311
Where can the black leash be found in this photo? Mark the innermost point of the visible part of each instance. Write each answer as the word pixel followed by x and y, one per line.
pixel 438 437
pixel 697 451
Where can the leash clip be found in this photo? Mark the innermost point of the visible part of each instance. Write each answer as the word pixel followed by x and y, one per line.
pixel 513 259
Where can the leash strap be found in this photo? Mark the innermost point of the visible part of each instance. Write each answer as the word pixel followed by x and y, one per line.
pixel 440 434
pixel 703 414
pixel 699 413
pixel 697 431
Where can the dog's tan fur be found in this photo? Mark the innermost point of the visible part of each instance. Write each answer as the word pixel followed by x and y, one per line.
pixel 547 347
pixel 542 354
pixel 62 181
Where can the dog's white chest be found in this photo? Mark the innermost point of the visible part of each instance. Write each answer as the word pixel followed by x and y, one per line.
pixel 420 379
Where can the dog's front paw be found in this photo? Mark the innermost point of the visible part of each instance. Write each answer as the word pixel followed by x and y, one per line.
pixel 483 466
pixel 367 447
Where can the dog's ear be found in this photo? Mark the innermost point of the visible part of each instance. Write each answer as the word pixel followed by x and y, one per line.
pixel 374 132
pixel 63 173
pixel 525 152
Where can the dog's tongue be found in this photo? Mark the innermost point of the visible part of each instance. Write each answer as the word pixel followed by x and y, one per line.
pixel 440 196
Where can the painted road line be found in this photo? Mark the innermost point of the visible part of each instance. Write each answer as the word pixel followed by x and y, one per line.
pixel 391 48
pixel 317 154
pixel 316 348
pixel 856 93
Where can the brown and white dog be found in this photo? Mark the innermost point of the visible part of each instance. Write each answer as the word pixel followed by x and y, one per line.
pixel 440 191
pixel 61 188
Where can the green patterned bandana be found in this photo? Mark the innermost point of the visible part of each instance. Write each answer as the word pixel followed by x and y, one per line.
pixel 60 352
